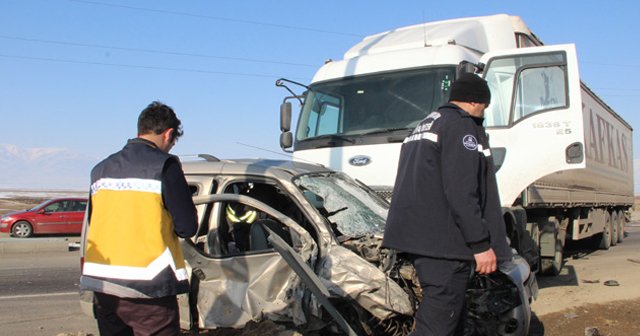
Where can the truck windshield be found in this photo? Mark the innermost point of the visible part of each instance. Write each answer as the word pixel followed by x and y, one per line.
pixel 373 104
pixel 352 209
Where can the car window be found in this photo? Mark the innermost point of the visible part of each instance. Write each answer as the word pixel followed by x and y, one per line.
pixel 55 207
pixel 237 228
pixel 77 206
pixel 237 223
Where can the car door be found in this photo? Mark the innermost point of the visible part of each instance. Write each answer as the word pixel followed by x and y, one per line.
pixel 232 288
pixel 74 216
pixel 51 218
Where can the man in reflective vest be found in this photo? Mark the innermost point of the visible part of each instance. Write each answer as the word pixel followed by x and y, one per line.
pixel 140 204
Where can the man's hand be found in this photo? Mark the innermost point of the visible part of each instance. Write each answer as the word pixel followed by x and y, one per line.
pixel 486 262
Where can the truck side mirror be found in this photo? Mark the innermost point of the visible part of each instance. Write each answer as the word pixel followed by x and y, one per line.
pixel 285 117
pixel 466 67
pixel 286 140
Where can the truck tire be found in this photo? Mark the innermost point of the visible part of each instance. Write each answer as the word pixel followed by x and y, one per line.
pixel 621 223
pixel 604 238
pixel 614 228
pixel 551 246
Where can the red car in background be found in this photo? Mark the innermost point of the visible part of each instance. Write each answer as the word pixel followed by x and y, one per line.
pixel 60 215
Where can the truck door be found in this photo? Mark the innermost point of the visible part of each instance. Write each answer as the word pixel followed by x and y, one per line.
pixel 534 122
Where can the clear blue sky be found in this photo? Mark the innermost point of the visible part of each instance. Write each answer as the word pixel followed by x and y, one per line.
pixel 75 74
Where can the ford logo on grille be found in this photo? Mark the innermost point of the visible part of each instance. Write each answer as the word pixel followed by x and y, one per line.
pixel 360 160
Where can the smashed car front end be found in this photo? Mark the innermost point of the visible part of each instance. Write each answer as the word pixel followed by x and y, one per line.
pixel 498 304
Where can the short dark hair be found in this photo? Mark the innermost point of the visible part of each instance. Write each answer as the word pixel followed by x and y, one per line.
pixel 158 117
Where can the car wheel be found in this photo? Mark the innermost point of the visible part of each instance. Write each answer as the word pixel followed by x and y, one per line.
pixel 22 229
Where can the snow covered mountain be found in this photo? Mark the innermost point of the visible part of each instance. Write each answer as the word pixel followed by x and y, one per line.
pixel 44 168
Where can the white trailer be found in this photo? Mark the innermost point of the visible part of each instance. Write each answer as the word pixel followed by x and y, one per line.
pixel 564 157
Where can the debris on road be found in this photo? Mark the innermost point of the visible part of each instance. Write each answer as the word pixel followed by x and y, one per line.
pixel 590 281
pixel 591 331
pixel 611 283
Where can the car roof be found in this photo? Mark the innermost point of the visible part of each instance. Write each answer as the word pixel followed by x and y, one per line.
pixel 257 167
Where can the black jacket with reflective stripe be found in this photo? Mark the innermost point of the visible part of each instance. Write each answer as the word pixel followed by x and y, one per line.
pixel 445 201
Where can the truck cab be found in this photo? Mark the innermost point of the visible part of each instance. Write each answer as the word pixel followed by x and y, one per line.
pixel 357 111
pixel 562 155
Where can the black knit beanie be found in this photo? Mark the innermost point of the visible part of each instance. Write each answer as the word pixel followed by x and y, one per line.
pixel 470 88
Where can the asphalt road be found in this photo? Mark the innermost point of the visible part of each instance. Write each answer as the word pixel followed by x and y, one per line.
pixel 39 288
pixel 39 294
pixel 34 274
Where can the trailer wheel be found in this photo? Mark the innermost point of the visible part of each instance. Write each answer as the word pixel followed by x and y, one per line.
pixel 621 223
pixel 614 228
pixel 604 238
pixel 551 263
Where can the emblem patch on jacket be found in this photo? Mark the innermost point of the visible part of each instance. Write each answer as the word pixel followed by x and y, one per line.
pixel 427 122
pixel 470 142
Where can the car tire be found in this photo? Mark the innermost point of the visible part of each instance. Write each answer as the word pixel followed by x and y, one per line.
pixel 22 229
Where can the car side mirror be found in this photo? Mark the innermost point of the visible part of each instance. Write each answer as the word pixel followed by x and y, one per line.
pixel 41 211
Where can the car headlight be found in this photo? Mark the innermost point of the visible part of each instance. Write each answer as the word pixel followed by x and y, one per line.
pixel 4 221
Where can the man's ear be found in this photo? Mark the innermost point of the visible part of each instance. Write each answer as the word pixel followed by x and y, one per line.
pixel 168 134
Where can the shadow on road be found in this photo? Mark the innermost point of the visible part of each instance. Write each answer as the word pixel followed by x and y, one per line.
pixel 568 276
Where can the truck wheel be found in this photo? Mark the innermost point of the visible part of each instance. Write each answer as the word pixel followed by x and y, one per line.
pixel 535 236
pixel 22 229
pixel 614 228
pixel 549 237
pixel 621 223
pixel 552 266
pixel 604 238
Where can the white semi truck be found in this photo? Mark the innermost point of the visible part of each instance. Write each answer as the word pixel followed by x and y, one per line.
pixel 564 157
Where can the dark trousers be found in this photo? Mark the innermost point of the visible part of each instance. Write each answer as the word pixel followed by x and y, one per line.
pixel 444 283
pixel 140 317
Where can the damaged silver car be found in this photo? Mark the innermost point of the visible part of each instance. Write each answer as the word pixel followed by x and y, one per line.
pixel 299 244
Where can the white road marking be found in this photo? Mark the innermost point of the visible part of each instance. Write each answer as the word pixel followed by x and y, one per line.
pixel 37 295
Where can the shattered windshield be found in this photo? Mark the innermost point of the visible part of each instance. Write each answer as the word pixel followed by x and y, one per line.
pixel 372 104
pixel 351 208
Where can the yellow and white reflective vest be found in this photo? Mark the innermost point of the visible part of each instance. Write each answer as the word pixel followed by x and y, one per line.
pixel 248 217
pixel 132 249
